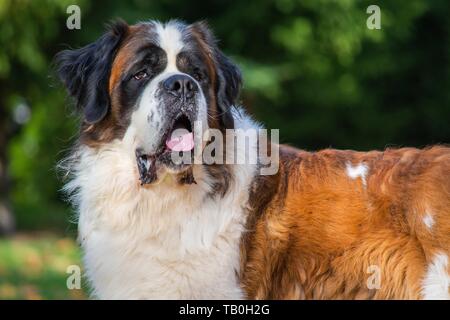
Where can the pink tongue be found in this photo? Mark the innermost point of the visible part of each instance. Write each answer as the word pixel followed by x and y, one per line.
pixel 184 142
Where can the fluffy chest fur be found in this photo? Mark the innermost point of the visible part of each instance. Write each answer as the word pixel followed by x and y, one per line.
pixel 167 241
pixel 134 264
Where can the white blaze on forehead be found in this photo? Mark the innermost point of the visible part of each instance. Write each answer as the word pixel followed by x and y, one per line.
pixel 170 40
pixel 428 220
pixel 360 171
pixel 436 284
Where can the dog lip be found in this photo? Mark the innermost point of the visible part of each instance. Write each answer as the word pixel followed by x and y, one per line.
pixel 147 162
pixel 146 167
pixel 170 128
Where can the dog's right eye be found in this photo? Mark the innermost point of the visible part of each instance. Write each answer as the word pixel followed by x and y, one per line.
pixel 140 75
pixel 198 75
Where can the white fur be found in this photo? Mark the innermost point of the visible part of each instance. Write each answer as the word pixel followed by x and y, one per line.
pixel 436 284
pixel 162 241
pixel 170 41
pixel 428 220
pixel 360 171
pixel 165 240
pixel 148 119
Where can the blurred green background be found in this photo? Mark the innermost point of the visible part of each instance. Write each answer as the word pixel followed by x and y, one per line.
pixel 311 68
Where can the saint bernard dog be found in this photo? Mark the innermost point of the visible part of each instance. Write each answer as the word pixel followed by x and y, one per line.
pixel 326 225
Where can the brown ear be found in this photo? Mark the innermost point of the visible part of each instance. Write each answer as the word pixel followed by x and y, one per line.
pixel 85 72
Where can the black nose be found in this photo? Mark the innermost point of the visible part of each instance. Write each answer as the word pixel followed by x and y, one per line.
pixel 180 85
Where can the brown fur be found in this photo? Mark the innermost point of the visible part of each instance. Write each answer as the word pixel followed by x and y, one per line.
pixel 313 231
pixel 207 56
pixel 221 172
pixel 114 125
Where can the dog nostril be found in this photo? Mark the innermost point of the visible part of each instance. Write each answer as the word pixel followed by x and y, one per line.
pixel 180 85
pixel 189 85
pixel 176 86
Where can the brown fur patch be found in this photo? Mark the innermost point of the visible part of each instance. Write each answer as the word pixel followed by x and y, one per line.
pixel 313 232
pixel 113 126
pixel 221 173
pixel 208 58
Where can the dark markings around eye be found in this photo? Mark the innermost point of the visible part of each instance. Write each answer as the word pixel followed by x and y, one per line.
pixel 191 63
pixel 150 61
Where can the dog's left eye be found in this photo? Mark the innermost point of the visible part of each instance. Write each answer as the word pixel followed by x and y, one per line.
pixel 198 75
pixel 140 75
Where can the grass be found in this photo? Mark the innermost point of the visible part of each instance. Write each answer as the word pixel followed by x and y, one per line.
pixel 34 267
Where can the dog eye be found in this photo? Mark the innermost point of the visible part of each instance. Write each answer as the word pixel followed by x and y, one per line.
pixel 140 75
pixel 198 75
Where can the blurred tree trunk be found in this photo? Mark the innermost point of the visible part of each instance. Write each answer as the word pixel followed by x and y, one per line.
pixel 6 216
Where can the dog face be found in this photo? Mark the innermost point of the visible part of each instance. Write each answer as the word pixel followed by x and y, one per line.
pixel 148 84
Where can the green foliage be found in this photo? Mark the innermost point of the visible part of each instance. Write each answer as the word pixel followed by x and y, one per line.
pixel 29 33
pixel 312 68
pixel 36 268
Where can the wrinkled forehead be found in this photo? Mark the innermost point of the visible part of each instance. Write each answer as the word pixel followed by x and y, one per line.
pixel 172 37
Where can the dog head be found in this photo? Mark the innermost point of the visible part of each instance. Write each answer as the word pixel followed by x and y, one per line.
pixel 149 84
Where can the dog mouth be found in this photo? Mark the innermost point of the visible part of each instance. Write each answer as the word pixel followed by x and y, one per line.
pixel 181 136
pixel 179 139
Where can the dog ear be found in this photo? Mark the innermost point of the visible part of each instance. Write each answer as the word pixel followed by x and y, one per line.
pixel 229 79
pixel 85 72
